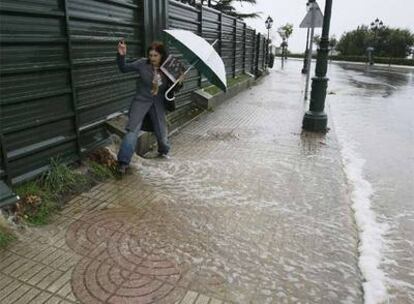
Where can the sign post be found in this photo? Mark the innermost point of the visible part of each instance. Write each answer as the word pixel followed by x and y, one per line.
pixel 312 20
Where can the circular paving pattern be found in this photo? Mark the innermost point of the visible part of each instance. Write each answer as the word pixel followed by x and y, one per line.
pixel 115 267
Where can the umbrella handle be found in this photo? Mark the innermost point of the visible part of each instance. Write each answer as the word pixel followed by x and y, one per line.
pixel 169 90
pixel 176 82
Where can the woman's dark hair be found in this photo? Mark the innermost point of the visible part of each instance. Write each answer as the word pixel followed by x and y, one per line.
pixel 159 48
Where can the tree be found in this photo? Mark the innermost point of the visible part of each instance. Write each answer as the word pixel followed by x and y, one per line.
pixel 397 43
pixel 387 42
pixel 332 43
pixel 354 42
pixel 286 31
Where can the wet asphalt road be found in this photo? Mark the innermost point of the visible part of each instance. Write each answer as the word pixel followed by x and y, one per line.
pixel 373 110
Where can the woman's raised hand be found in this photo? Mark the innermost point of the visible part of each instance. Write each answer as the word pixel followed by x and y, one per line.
pixel 122 48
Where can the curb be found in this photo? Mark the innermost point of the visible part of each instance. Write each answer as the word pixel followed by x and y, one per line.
pixel 209 102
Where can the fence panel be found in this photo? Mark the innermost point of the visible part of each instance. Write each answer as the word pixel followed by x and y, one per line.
pixel 182 16
pixel 239 47
pixel 228 44
pixel 59 81
pixel 101 90
pixel 37 116
pixel 261 50
pixel 250 50
pixel 58 78
pixel 211 26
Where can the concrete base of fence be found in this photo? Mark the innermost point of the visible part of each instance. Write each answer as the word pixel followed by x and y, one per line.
pixel 208 102
pixel 147 141
pixel 7 197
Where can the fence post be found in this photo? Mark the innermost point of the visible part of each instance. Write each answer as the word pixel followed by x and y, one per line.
pixel 72 79
pixel 5 159
pixel 267 52
pixel 155 20
pixel 235 48
pixel 221 34
pixel 166 16
pixel 264 53
pixel 200 30
pixel 258 38
pixel 244 47
pixel 252 67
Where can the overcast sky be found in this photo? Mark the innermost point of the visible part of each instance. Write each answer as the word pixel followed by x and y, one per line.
pixel 346 16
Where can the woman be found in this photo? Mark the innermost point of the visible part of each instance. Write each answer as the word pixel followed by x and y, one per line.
pixel 149 100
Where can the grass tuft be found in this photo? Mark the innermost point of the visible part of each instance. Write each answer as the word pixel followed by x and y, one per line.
pixel 37 203
pixel 100 172
pixel 6 235
pixel 61 179
pixel 42 197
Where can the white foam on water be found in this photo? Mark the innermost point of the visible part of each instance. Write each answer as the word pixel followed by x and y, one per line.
pixel 371 232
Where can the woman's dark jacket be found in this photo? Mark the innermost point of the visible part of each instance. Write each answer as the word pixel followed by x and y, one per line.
pixel 143 96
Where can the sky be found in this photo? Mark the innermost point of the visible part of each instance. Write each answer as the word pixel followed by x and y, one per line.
pixel 346 16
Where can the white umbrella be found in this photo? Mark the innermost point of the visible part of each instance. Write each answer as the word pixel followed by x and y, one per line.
pixel 200 54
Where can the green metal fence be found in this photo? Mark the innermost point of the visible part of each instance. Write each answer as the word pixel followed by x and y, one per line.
pixel 59 81
pixel 239 46
pixel 58 78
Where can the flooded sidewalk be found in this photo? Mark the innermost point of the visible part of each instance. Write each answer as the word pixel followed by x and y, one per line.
pixel 248 210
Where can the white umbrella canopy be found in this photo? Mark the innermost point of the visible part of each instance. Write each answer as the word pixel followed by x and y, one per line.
pixel 200 54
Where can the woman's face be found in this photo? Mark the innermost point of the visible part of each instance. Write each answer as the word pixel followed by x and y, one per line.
pixel 155 58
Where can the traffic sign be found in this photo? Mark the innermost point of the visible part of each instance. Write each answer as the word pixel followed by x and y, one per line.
pixel 314 17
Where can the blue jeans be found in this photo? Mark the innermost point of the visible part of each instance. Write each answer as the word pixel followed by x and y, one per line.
pixel 129 141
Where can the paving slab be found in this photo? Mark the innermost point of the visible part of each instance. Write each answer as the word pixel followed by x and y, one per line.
pixel 248 209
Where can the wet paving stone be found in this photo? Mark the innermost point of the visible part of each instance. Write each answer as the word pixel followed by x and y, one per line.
pixel 247 210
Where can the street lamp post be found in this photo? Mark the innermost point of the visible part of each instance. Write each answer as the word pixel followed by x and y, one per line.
pixel 284 44
pixel 375 26
pixel 305 59
pixel 315 119
pixel 269 24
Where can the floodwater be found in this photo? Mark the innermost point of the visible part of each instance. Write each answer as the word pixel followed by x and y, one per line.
pixel 249 209
pixel 372 113
pixel 254 210
pixel 258 210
